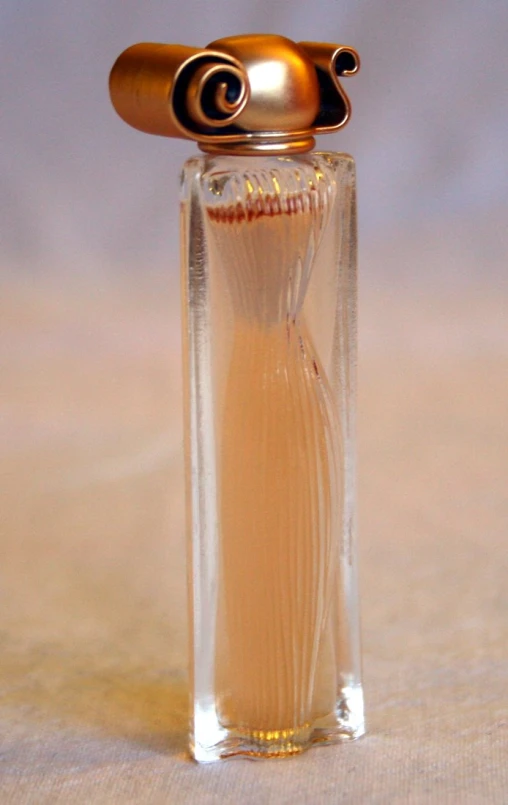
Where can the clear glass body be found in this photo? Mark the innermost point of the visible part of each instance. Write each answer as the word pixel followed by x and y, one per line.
pixel 269 339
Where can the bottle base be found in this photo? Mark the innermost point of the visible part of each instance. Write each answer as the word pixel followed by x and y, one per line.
pixel 345 724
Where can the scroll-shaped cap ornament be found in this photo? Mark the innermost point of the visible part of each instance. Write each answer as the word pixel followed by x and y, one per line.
pixel 257 93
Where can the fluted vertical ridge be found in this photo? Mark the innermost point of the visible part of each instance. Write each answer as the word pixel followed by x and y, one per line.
pixel 278 459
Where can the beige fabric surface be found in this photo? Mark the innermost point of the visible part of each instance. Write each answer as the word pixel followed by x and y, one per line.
pixel 92 576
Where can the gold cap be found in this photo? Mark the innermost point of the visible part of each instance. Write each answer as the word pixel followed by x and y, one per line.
pixel 251 94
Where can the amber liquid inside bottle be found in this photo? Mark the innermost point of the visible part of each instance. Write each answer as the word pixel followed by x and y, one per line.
pixel 281 641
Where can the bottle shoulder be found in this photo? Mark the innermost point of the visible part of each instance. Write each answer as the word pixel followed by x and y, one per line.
pixel 231 177
pixel 206 163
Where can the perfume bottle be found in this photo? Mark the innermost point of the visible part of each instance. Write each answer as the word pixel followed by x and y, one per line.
pixel 268 238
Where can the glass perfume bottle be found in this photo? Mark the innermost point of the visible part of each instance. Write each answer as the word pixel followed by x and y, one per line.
pixel 269 335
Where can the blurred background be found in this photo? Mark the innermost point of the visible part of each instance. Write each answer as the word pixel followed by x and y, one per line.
pixel 83 194
pixel 92 584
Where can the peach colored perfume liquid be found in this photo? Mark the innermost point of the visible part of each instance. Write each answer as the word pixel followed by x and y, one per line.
pixel 270 333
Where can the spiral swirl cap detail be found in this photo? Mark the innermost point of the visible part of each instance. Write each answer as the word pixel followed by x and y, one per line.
pixel 251 94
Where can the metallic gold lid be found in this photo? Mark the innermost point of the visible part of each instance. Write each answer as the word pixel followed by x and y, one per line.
pixel 251 94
